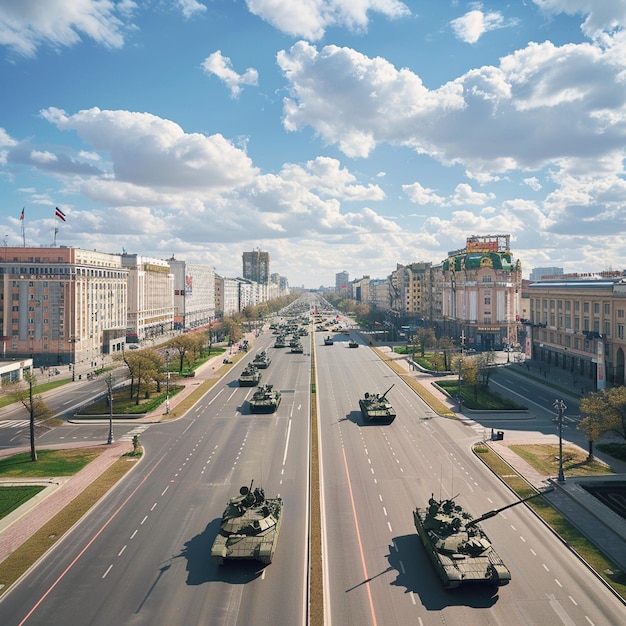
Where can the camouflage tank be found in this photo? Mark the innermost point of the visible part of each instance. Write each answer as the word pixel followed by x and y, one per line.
pixel 265 400
pixel 261 360
pixel 250 376
pixel 458 547
pixel 280 342
pixel 297 348
pixel 249 528
pixel 375 408
pixel 353 344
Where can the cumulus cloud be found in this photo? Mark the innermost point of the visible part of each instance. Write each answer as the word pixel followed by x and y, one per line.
pixel 422 195
pixel 474 24
pixel 25 25
pixel 519 112
pixel 147 150
pixel 222 67
pixel 311 18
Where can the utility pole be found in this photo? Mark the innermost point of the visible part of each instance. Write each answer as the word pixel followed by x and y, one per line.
pixel 167 382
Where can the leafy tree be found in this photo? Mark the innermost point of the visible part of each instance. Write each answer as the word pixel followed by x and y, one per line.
pixel 145 368
pixel 22 391
pixel 183 344
pixel 485 362
pixel 445 344
pixel 470 372
pixel 605 411
pixel 424 337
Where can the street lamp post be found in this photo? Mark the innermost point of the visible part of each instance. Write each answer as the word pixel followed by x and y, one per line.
pixel 109 380
pixel 167 382
pixel 460 397
pixel 560 407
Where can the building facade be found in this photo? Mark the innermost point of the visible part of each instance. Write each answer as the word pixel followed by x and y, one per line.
pixel 480 293
pixel 194 294
pixel 150 311
pixel 256 266
pixel 62 305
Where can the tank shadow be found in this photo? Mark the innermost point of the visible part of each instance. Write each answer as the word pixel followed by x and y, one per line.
pixel 202 569
pixel 416 574
pixel 354 417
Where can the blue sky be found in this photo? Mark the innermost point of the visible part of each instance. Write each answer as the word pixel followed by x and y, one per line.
pixel 336 134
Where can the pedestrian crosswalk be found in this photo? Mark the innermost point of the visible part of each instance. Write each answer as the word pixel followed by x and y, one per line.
pixel 135 431
pixel 14 423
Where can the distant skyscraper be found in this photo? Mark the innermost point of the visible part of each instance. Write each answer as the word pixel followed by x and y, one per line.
pixel 341 283
pixel 256 266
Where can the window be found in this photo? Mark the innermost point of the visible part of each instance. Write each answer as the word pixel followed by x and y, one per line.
pixel 620 331
pixel 620 312
pixel 596 307
pixel 607 328
pixel 607 308
pixel 487 300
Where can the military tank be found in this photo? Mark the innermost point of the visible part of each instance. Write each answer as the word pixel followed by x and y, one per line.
pixel 376 409
pixel 280 342
pixel 297 348
pixel 353 344
pixel 265 400
pixel 261 360
pixel 458 547
pixel 249 527
pixel 250 376
pixel 329 341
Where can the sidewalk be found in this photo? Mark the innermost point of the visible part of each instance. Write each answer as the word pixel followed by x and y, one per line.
pixel 58 493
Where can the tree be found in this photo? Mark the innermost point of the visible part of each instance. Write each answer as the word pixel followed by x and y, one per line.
pixel 485 362
pixel 22 391
pixel 446 344
pixel 183 344
pixel 605 411
pixel 145 368
pixel 424 337
pixel 470 372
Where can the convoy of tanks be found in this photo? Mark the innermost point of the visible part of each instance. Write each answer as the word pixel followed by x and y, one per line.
pixel 454 541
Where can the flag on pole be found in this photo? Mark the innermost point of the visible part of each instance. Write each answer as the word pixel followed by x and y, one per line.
pixel 22 216
pixel 58 213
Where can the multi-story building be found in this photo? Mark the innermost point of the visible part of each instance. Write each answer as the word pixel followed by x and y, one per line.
pixel 62 305
pixel 481 290
pixel 342 282
pixel 194 294
pixel 412 293
pixel 150 297
pixel 579 324
pixel 256 266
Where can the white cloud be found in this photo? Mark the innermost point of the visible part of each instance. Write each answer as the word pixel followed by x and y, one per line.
pixel 310 18
pixel 150 151
pixel 25 25
pixel 464 194
pixel 519 113
pixel 222 67
pixel 533 183
pixel 191 7
pixel 422 195
pixel 474 24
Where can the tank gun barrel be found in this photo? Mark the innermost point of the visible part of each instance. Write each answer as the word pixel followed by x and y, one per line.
pixel 386 392
pixel 493 513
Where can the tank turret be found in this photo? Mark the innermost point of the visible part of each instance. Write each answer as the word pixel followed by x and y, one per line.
pixel 249 527
pixel 265 400
pixel 250 377
pixel 375 408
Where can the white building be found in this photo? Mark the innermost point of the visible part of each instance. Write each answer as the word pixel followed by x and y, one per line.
pixel 194 294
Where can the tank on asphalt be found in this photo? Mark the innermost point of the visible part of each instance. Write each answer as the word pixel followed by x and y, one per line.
pixel 265 400
pixel 261 360
pixel 376 409
pixel 250 377
pixel 249 527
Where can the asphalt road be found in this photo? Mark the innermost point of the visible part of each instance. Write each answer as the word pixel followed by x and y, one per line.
pixel 142 556
pixel 374 476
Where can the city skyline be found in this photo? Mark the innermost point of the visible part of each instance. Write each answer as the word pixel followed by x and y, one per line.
pixel 335 137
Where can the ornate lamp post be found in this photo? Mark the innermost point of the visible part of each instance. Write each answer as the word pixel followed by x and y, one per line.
pixel 560 407
pixel 167 382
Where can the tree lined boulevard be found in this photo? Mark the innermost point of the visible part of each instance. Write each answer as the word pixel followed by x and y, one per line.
pixel 143 554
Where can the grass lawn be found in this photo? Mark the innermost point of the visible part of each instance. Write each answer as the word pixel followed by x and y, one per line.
pixel 480 399
pixel 123 404
pixel 545 458
pixel 13 497
pixel 49 463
